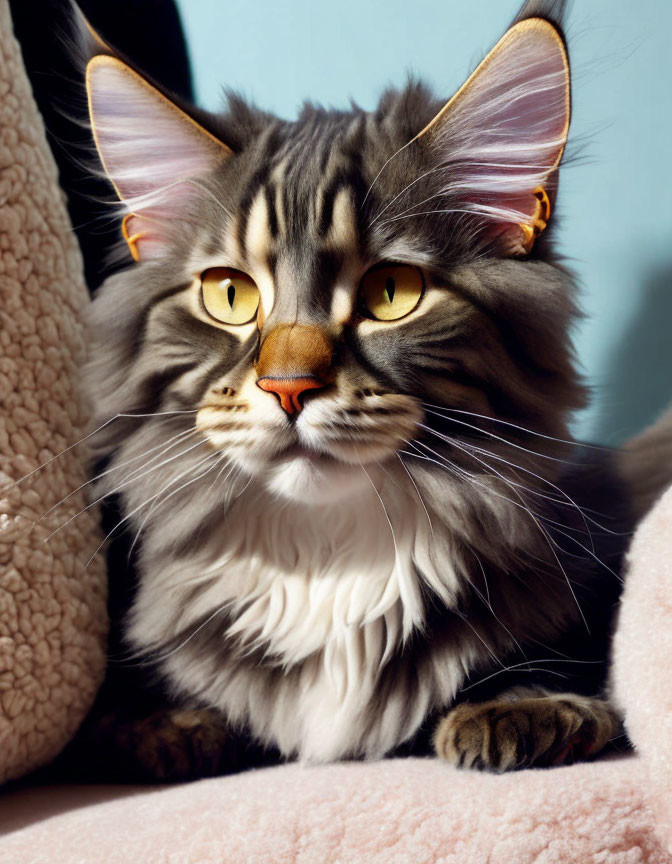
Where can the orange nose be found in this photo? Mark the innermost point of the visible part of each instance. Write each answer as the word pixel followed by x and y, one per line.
pixel 288 390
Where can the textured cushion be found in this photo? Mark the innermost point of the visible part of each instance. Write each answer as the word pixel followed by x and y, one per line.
pixel 643 656
pixel 408 811
pixel 52 605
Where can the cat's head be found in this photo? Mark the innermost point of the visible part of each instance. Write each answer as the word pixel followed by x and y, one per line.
pixel 316 290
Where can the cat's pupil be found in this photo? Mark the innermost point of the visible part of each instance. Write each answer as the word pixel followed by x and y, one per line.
pixel 231 293
pixel 389 289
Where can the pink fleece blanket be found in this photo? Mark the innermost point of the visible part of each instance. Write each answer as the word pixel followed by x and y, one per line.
pixel 613 811
pixel 395 812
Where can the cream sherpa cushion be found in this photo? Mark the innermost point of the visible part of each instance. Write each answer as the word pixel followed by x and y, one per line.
pixel 52 606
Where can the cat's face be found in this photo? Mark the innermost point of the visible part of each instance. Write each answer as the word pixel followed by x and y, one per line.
pixel 313 383
pixel 341 326
pixel 312 290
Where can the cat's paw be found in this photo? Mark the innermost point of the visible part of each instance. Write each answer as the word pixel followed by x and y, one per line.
pixel 169 745
pixel 510 733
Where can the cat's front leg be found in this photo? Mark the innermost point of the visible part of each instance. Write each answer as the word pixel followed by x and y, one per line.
pixel 523 728
pixel 165 744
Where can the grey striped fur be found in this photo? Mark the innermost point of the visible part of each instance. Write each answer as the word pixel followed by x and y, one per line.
pixel 332 607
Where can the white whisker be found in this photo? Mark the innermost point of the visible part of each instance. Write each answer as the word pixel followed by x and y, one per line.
pixel 415 486
pixel 122 486
pixel 529 668
pixel 551 543
pixel 129 515
pixel 504 440
pixel 382 504
pixel 178 438
pixel 81 441
pixel 520 428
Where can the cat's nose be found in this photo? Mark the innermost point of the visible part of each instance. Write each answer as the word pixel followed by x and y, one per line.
pixel 289 390
pixel 294 358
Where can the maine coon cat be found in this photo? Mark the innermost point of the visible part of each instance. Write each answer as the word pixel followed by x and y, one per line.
pixel 341 376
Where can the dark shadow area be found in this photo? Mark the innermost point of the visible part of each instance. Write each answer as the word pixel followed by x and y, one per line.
pixel 638 387
pixel 24 806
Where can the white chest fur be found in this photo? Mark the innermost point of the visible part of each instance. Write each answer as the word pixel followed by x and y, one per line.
pixel 328 592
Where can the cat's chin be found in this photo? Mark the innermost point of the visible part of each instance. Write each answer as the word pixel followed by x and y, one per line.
pixel 313 478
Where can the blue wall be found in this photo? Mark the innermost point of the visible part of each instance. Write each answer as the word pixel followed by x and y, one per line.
pixel 615 202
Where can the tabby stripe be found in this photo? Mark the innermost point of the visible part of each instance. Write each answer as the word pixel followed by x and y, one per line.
pixel 351 179
pixel 269 193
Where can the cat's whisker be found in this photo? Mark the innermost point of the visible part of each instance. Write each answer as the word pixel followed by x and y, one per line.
pixel 123 485
pixel 552 545
pixel 86 437
pixel 590 552
pixel 535 518
pixel 559 525
pixel 58 455
pixel 487 432
pixel 382 504
pixel 385 164
pixel 527 663
pixel 487 647
pixel 413 206
pixel 159 503
pixel 135 510
pixel 524 429
pixel 487 602
pixel 150 467
pixel 415 486
pixel 399 194
pixel 568 502
pixel 425 213
pixel 504 440
pixel 177 438
pixel 231 466
pixel 245 487
pixel 203 187
pixel 160 659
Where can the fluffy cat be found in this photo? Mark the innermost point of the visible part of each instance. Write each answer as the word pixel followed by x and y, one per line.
pixel 341 376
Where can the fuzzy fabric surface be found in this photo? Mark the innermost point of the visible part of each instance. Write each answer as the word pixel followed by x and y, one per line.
pixel 643 657
pixel 410 811
pixel 52 605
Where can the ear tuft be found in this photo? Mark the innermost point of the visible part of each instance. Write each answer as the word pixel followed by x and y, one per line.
pixel 501 137
pixel 150 149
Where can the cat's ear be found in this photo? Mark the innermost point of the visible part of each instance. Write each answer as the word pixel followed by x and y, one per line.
pixel 152 151
pixel 501 137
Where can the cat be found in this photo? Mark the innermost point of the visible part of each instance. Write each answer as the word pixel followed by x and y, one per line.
pixel 334 390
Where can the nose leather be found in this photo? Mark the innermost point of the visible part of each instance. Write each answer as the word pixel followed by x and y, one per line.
pixel 288 390
pixel 294 358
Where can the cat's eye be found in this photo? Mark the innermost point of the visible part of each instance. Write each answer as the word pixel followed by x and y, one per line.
pixel 390 291
pixel 228 295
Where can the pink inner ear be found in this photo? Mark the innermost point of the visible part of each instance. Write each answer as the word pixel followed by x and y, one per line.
pixel 504 132
pixel 150 149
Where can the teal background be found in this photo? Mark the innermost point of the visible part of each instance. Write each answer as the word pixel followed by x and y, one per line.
pixel 614 203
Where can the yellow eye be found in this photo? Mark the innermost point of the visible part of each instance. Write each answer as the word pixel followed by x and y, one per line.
pixel 391 291
pixel 228 295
